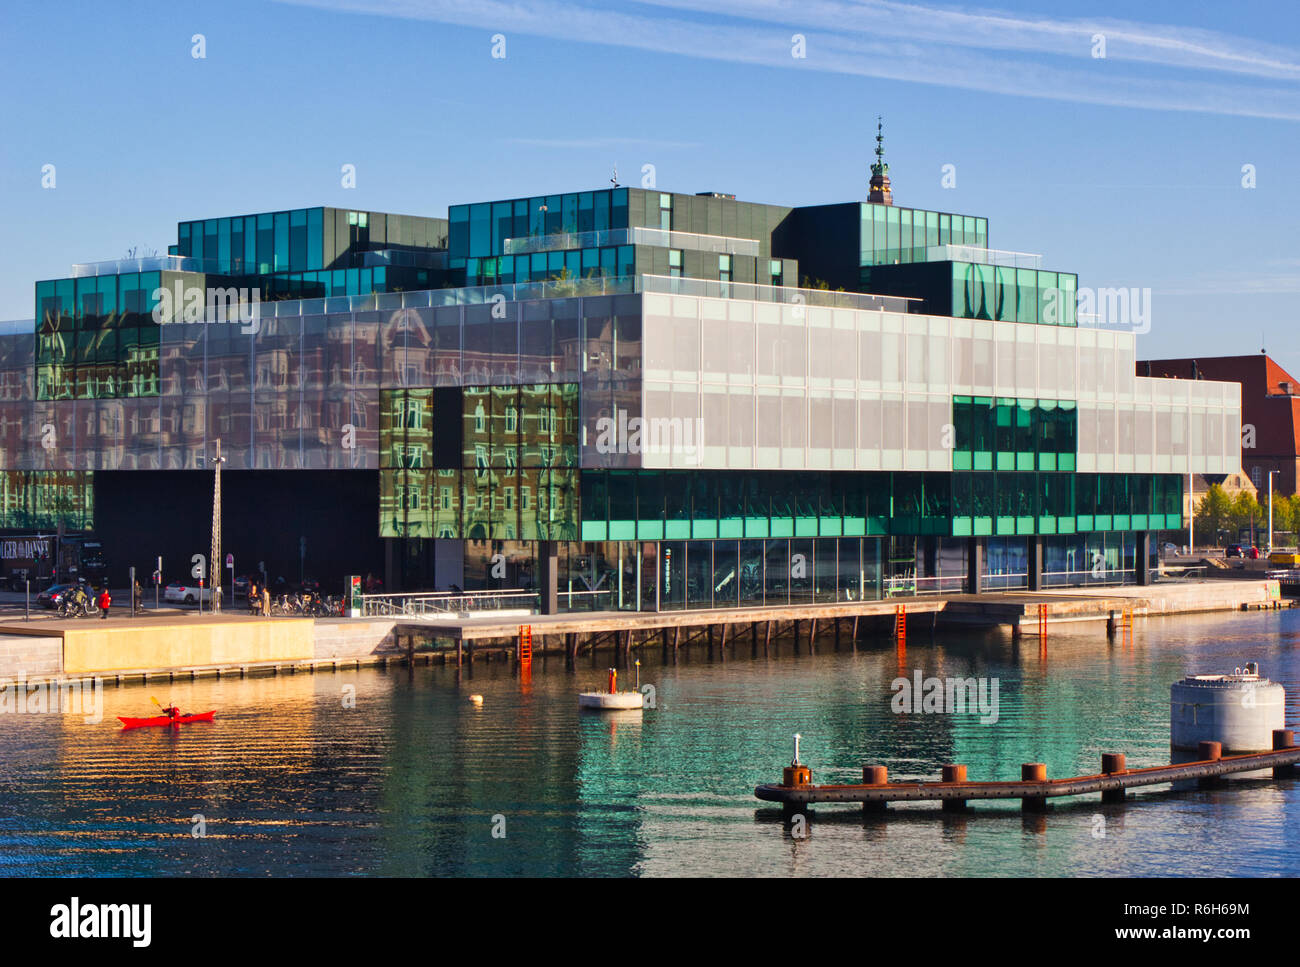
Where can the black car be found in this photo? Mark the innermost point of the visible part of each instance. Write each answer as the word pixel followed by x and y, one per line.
pixel 52 596
pixel 1234 550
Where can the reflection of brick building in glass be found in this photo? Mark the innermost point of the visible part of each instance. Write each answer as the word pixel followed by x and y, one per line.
pixel 460 402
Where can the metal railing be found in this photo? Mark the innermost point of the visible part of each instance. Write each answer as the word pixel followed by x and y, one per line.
pixel 983 256
pixel 445 603
pixel 789 295
pixel 661 237
pixel 158 263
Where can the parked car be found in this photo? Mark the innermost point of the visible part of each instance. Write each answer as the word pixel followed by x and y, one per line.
pixel 52 596
pixel 184 593
pixel 1233 550
pixel 1169 550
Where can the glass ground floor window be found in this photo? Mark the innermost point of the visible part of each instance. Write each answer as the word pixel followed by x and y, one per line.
pixel 1104 557
pixel 681 575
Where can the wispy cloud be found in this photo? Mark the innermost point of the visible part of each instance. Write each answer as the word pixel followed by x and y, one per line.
pixel 1153 66
pixel 597 143
pixel 1275 277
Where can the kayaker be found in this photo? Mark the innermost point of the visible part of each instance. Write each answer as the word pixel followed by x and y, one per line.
pixel 172 712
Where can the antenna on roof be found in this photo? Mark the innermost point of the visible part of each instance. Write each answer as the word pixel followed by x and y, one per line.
pixel 614 181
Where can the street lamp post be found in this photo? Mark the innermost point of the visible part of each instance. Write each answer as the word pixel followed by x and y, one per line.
pixel 214 562
pixel 1270 509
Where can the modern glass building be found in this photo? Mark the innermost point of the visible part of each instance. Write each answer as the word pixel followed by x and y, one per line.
pixel 624 399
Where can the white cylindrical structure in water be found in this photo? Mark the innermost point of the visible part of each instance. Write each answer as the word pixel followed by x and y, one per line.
pixel 1240 710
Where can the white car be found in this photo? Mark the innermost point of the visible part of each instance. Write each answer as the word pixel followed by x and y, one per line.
pixel 185 593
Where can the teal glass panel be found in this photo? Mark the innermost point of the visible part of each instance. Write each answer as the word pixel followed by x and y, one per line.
pixel 223 244
pixel 622 505
pixel 281 241
pixel 1027 414
pixel 315 238
pixel 704 507
pixel 618 216
pixel 758 507
pixel 784 509
pixel 677 505
pixel 731 506
pixel 650 506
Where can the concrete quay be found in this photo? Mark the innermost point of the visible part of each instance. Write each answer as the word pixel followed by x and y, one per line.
pixel 176 645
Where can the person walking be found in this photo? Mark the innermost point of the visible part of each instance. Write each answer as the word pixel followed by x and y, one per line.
pixel 254 598
pixel 138 593
pixel 105 601
pixel 266 603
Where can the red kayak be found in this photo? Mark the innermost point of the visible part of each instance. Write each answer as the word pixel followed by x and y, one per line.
pixel 166 720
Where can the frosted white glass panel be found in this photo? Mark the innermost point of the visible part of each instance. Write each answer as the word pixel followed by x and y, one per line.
pixel 844 436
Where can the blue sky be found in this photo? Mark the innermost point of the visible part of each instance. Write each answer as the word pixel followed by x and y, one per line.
pixel 1126 169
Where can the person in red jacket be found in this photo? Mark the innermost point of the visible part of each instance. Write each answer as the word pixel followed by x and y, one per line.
pixel 105 601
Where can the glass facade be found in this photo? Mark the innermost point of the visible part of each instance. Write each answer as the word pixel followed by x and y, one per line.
pixel 1013 295
pixel 706 505
pixel 1014 434
pixel 817 446
pixel 480 462
pixel 42 500
pixel 96 337
pixel 891 235
pixel 480 230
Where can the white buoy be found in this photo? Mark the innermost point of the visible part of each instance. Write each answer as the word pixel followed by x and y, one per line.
pixel 1239 710
pixel 612 699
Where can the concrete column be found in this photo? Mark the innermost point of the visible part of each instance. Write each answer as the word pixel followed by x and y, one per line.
pixel 1142 564
pixel 548 567
pixel 1035 564
pixel 974 564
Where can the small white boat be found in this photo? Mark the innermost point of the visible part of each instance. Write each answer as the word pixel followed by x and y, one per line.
pixel 612 699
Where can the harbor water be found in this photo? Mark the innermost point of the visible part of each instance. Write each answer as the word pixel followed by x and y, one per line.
pixel 383 772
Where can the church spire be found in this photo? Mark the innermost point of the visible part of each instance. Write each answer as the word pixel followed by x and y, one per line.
pixel 880 193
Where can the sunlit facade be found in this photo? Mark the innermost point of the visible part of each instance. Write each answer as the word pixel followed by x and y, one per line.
pixel 662 400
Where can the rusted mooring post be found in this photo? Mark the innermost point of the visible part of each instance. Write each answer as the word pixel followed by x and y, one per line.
pixel 1112 764
pixel 1283 739
pixel 954 773
pixel 874 776
pixel 1207 751
pixel 1033 772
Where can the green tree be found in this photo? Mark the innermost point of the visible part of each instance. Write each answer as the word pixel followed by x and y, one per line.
pixel 1246 512
pixel 1213 514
